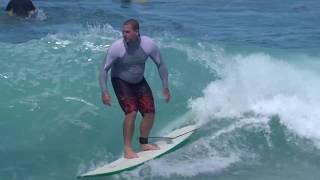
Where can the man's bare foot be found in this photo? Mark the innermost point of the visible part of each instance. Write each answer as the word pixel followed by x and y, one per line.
pixel 149 147
pixel 130 154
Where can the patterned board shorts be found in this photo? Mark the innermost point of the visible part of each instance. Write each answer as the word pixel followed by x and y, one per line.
pixel 134 97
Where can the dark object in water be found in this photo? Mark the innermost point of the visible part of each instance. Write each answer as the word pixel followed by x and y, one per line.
pixel 22 8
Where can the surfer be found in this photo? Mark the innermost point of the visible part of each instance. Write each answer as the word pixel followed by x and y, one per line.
pixel 126 58
pixel 22 8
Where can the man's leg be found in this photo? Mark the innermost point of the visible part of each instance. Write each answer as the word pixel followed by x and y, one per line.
pixel 128 130
pixel 145 128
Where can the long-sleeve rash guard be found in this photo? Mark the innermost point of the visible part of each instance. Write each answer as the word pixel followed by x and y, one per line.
pixel 127 61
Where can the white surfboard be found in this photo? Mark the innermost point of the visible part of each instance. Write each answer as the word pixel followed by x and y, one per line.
pixel 165 143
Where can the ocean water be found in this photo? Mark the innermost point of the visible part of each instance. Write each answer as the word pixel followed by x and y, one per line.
pixel 246 72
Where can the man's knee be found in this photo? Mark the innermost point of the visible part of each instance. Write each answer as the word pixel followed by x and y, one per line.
pixel 149 115
pixel 132 115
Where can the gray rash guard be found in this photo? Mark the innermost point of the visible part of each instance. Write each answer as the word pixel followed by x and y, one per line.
pixel 127 62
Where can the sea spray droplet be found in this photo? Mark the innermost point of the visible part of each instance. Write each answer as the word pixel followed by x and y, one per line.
pixel 4 76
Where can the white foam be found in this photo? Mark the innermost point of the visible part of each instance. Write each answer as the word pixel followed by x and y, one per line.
pixel 95 38
pixel 80 100
pixel 191 167
pixel 40 15
pixel 266 86
pixel 209 55
pixel 4 76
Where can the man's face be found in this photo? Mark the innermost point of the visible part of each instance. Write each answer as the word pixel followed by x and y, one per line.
pixel 129 34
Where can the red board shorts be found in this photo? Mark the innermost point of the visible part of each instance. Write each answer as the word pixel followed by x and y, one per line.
pixel 134 97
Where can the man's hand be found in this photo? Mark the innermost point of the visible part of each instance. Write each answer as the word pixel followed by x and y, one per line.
pixel 166 94
pixel 106 99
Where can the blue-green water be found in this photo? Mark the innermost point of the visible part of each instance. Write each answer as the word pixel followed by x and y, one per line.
pixel 247 72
